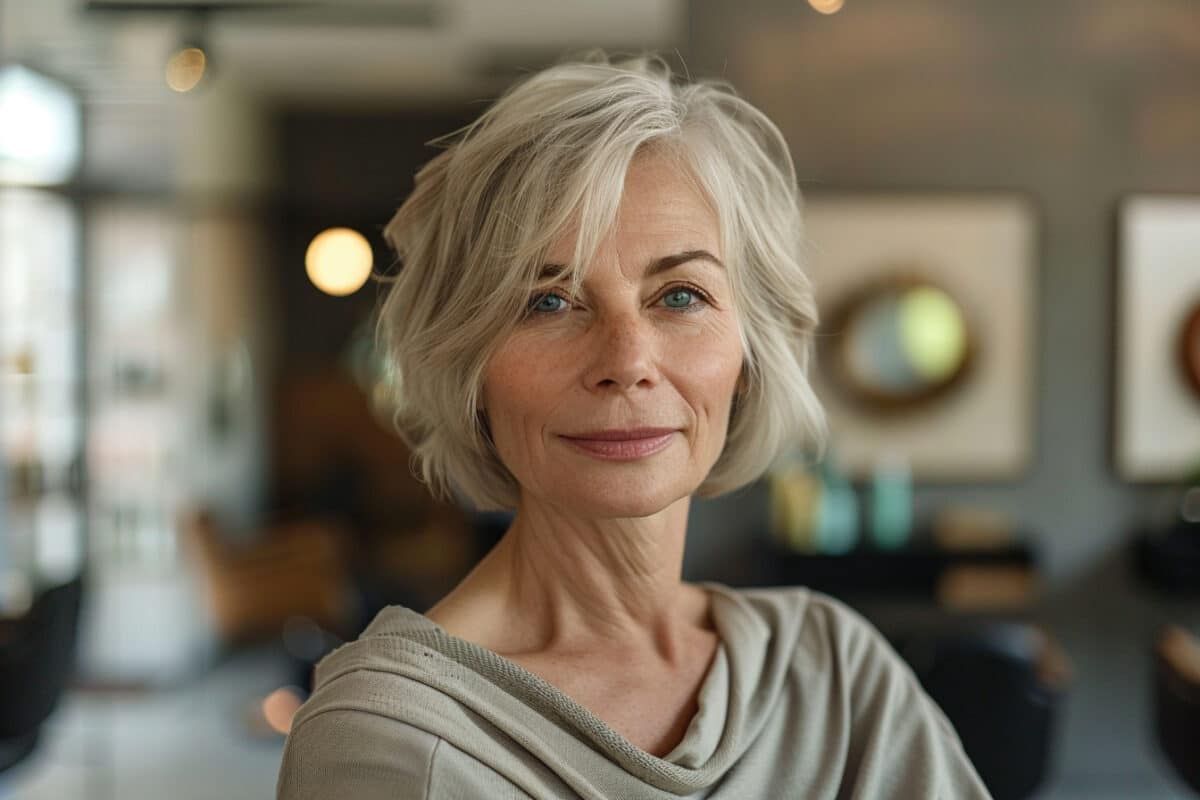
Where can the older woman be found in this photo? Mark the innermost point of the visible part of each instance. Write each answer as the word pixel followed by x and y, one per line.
pixel 602 313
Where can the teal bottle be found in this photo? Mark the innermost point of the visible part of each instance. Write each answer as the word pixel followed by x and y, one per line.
pixel 891 503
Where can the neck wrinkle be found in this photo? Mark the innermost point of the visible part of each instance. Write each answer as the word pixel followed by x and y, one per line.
pixel 593 585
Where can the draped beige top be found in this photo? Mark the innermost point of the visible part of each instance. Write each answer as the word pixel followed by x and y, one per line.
pixel 804 699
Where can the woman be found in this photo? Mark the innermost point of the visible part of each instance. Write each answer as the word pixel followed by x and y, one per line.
pixel 601 313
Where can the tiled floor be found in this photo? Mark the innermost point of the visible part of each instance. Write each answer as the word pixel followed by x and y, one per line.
pixel 193 742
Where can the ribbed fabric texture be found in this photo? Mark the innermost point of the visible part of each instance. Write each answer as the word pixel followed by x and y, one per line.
pixel 804 699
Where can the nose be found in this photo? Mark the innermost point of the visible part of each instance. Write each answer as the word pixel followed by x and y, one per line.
pixel 622 354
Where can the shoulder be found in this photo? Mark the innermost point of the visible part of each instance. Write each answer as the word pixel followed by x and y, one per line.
pixel 343 752
pixel 825 634
pixel 898 742
pixel 349 753
pixel 377 726
pixel 798 600
pixel 352 737
pixel 385 720
pixel 815 621
pixel 385 673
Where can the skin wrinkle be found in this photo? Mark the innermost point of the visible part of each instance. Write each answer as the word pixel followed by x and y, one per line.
pixel 591 566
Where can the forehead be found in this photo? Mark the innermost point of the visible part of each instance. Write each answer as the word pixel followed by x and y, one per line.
pixel 661 206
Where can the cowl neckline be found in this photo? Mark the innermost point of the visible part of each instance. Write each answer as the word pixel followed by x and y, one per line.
pixel 743 683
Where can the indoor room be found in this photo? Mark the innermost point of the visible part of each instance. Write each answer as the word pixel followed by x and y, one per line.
pixel 347 333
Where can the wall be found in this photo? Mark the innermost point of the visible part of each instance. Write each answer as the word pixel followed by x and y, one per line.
pixel 1077 104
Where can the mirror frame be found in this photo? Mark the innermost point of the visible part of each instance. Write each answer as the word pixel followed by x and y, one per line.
pixel 1188 343
pixel 832 344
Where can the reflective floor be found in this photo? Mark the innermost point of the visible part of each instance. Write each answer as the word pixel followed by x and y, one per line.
pixel 187 743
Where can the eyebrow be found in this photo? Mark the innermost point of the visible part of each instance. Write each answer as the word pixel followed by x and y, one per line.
pixel 659 265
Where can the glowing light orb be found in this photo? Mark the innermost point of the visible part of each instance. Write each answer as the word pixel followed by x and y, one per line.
pixel 338 261
pixel 827 6
pixel 185 69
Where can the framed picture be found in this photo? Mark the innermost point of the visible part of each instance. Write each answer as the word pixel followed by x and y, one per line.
pixel 927 304
pixel 1157 371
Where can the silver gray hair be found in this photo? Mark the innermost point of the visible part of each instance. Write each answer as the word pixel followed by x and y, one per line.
pixel 551 155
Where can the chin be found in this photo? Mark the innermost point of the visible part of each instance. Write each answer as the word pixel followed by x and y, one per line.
pixel 616 499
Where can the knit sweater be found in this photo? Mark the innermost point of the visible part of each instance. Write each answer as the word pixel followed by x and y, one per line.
pixel 804 699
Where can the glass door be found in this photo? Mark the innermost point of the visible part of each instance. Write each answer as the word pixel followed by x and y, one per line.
pixel 41 394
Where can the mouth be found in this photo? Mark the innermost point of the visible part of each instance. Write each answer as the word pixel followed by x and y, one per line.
pixel 620 434
pixel 624 444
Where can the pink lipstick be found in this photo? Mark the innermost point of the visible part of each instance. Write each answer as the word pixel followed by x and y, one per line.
pixel 623 445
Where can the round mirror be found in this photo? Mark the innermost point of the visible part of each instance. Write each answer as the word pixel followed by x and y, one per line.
pixel 899 343
pixel 1189 347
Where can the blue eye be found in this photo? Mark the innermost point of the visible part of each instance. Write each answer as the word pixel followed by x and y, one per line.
pixel 679 298
pixel 547 303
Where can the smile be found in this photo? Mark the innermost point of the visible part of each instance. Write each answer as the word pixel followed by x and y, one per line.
pixel 611 448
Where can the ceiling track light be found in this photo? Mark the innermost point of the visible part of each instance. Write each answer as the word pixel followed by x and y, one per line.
pixel 191 61
pixel 827 6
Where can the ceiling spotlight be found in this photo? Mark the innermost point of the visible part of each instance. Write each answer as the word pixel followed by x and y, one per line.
pixel 185 68
pixel 827 6
pixel 190 62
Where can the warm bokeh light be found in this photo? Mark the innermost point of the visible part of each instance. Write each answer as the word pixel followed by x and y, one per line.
pixel 339 261
pixel 827 6
pixel 185 69
pixel 279 707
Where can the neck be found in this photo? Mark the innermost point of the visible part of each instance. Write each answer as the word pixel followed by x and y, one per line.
pixel 581 585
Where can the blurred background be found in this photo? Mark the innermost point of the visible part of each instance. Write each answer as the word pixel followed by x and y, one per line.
pixel 200 493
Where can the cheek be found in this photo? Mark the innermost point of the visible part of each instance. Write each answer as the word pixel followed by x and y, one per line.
pixel 516 392
pixel 710 368
pixel 503 389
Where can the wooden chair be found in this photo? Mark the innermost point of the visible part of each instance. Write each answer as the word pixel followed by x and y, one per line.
pixel 292 569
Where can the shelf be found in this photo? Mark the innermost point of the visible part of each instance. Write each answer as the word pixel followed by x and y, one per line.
pixel 1001 576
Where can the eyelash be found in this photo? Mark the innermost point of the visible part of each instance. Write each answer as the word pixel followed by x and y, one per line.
pixel 700 294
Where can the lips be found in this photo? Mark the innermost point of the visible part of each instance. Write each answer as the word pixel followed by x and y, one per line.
pixel 621 434
pixel 623 445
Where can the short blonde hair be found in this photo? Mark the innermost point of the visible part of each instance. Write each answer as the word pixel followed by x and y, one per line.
pixel 551 155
